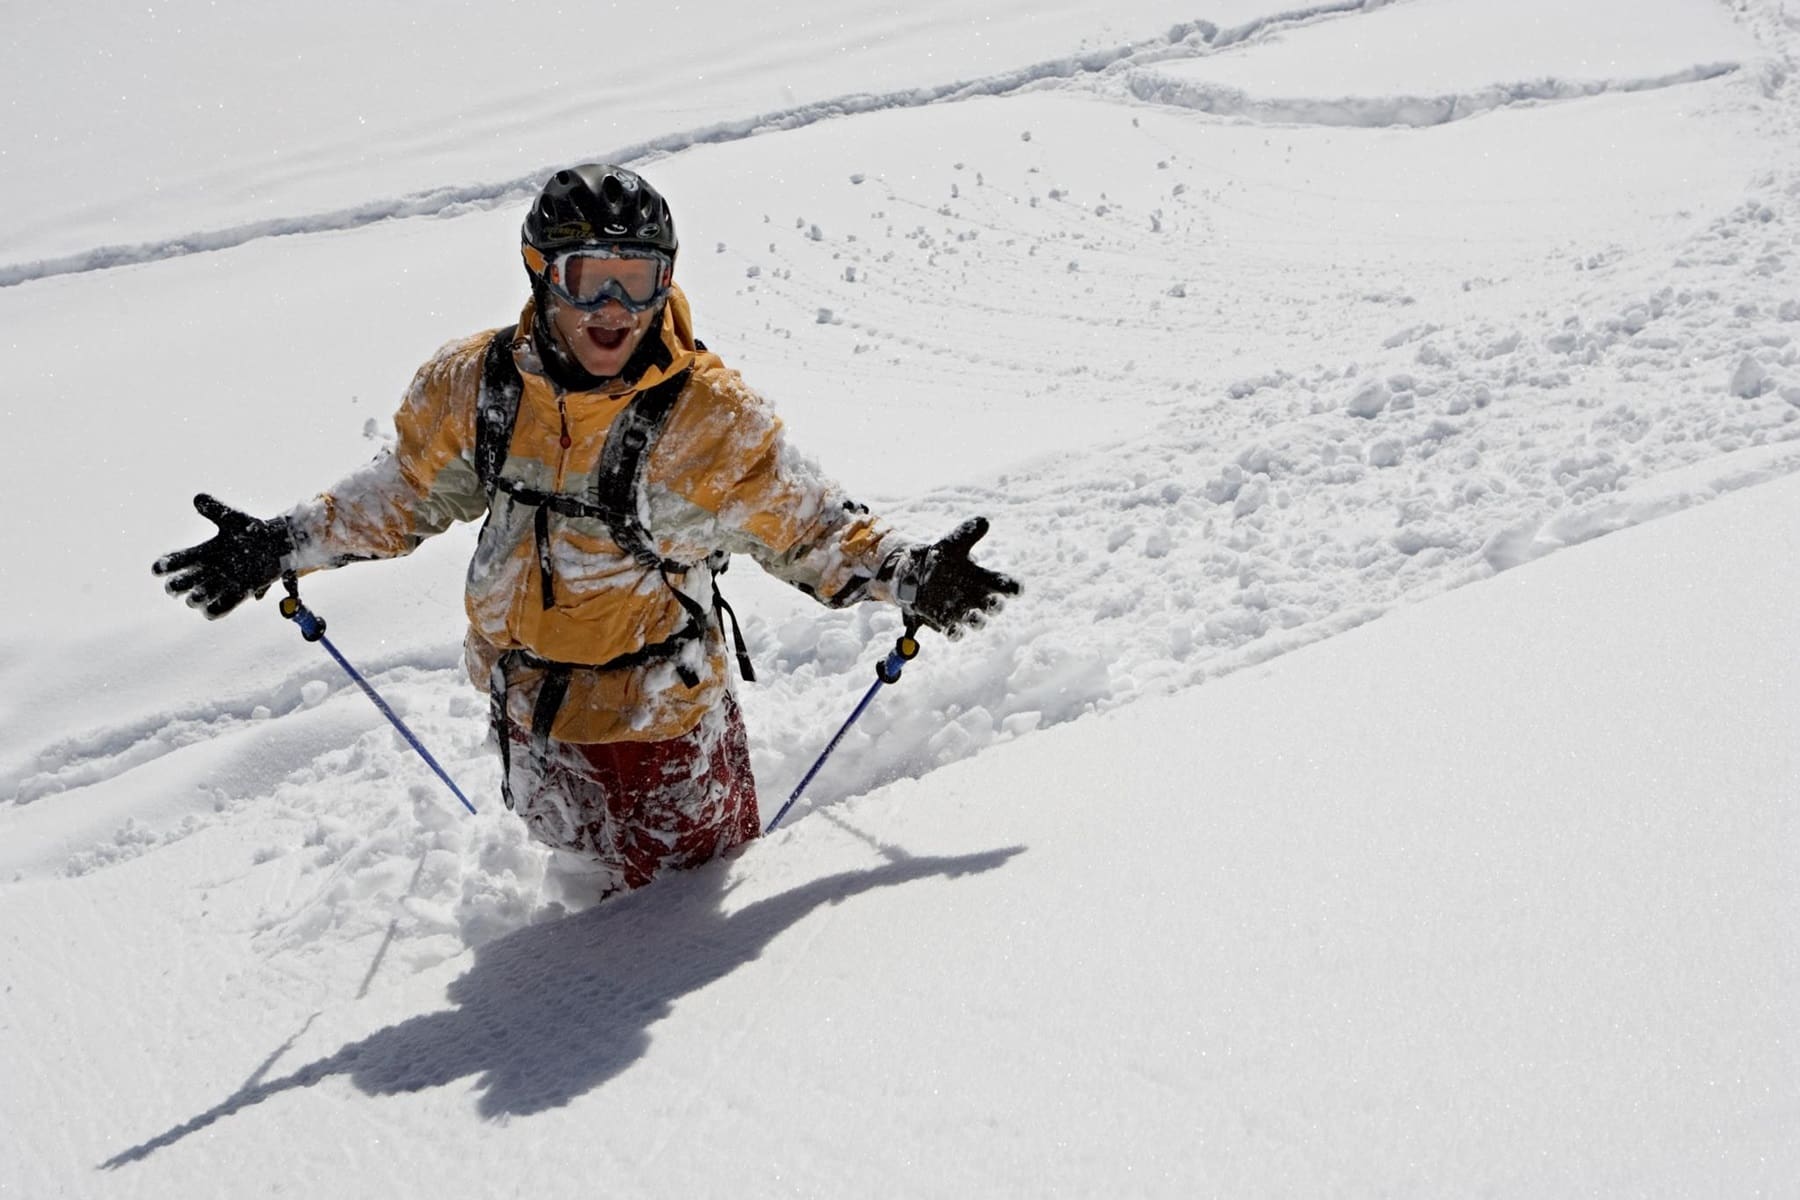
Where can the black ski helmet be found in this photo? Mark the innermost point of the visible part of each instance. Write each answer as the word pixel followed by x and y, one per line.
pixel 596 204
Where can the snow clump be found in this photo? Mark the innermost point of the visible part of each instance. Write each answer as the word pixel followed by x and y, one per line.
pixel 1370 399
pixel 1386 453
pixel 1749 379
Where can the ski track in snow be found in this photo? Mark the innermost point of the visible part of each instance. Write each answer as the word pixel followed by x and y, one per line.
pixel 1302 501
pixel 1416 112
pixel 95 756
pixel 1094 69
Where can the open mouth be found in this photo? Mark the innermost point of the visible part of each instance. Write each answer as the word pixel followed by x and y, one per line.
pixel 607 339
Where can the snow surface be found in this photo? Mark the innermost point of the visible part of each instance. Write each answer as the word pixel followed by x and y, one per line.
pixel 1446 57
pixel 1429 889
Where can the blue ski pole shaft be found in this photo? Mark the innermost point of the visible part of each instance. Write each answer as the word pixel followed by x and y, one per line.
pixel 887 671
pixel 312 628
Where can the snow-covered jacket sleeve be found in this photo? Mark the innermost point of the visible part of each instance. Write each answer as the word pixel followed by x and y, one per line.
pixel 725 477
pixel 420 486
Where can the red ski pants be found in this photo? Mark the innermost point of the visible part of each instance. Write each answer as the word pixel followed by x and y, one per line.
pixel 639 808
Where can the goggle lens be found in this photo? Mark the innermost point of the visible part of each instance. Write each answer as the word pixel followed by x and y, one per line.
pixel 589 280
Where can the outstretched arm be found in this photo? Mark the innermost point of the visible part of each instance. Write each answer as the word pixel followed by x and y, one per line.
pixel 420 487
pixel 382 510
pixel 725 477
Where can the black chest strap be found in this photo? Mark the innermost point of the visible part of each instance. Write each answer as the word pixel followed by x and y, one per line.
pixel 613 501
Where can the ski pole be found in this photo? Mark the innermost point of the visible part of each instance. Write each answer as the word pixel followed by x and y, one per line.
pixel 886 671
pixel 312 628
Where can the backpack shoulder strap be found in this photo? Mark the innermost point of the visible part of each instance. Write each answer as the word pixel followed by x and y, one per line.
pixel 497 408
pixel 619 481
pixel 619 486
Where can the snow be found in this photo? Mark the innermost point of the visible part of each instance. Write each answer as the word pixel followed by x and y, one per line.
pixel 334 115
pixel 1423 63
pixel 1385 785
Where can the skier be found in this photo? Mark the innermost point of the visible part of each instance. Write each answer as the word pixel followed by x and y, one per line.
pixel 615 462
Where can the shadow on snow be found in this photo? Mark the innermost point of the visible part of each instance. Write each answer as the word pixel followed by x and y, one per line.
pixel 552 1011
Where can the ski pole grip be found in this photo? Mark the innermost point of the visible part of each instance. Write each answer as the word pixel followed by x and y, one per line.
pixel 905 650
pixel 312 626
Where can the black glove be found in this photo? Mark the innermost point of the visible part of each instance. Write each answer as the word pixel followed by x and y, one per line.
pixel 944 590
pixel 218 575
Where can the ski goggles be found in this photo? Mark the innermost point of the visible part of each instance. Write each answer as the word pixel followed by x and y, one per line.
pixel 587 279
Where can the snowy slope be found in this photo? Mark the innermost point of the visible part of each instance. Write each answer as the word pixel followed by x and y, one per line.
pixel 1493 896
pixel 1425 64
pixel 150 130
pixel 1487 893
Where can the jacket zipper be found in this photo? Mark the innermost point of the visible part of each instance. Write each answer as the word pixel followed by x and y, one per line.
pixel 562 457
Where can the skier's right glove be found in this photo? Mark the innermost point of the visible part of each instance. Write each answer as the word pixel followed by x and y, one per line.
pixel 219 574
pixel 945 590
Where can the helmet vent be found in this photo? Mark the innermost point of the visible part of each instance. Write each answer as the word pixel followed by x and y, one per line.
pixel 599 203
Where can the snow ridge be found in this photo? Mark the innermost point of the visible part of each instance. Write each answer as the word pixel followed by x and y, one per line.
pixel 96 755
pixel 1411 111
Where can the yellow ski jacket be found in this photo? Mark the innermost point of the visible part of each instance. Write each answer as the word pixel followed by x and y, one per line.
pixel 722 476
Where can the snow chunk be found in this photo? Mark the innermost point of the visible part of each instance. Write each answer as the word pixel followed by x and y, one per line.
pixel 1501 347
pixel 1411 333
pixel 1226 484
pixel 1019 724
pixel 1252 496
pixel 1387 452
pixel 1510 546
pixel 1430 355
pixel 1249 387
pixel 1257 459
pixel 1370 399
pixel 1749 379
pixel 973 731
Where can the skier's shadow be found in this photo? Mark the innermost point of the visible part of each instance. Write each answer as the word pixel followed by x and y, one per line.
pixel 552 1011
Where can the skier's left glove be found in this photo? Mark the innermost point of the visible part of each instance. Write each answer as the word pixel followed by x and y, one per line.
pixel 944 590
pixel 219 574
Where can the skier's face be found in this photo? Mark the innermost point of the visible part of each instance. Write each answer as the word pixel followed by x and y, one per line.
pixel 603 340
